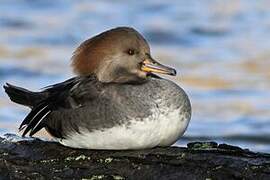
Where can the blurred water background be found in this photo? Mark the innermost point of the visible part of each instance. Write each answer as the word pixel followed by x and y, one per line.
pixel 220 48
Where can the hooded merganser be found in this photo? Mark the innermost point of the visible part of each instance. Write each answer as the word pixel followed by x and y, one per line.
pixel 115 101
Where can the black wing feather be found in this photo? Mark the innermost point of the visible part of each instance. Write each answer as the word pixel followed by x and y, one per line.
pixel 38 127
pixel 35 118
pixel 31 115
pixel 58 96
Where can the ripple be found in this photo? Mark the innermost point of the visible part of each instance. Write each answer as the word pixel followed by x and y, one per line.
pixel 8 22
pixel 163 37
pixel 209 32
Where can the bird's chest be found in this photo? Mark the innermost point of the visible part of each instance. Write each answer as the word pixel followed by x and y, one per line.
pixel 163 128
pixel 156 130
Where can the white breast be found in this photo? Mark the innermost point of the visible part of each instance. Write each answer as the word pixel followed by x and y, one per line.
pixel 157 130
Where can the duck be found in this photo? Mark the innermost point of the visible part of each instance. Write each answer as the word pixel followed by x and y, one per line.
pixel 115 101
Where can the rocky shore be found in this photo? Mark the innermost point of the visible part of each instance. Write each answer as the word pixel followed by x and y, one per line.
pixel 36 159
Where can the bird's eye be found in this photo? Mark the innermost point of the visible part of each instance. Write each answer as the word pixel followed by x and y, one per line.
pixel 131 52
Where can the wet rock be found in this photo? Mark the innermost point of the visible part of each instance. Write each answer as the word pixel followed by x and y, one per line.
pixel 36 159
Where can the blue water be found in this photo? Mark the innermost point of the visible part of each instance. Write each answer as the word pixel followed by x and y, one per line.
pixel 220 49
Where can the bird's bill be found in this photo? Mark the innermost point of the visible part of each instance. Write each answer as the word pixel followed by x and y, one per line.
pixel 152 66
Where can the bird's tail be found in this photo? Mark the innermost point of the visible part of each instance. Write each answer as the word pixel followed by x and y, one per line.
pixel 23 96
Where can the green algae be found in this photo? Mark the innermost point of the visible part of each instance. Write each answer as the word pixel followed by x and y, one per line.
pixel 78 158
pixel 5 154
pixel 181 156
pixel 82 157
pixel 96 177
pixel 101 176
pixel 117 177
pixel 108 160
pixel 202 145
pixel 48 160
pixel 218 167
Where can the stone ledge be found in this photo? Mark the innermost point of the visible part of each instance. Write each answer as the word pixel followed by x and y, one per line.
pixel 36 159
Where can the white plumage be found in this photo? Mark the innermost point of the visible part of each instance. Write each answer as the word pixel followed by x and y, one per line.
pixel 157 130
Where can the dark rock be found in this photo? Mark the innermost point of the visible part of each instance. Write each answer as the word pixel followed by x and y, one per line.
pixel 38 159
pixel 229 147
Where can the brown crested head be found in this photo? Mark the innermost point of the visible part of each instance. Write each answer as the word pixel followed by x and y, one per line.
pixel 118 55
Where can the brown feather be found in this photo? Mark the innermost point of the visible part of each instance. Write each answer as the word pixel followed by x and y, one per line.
pixel 88 56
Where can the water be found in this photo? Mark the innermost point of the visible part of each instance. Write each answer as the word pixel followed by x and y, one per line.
pixel 220 49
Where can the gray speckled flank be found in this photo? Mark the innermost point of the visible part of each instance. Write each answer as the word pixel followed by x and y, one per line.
pixel 105 106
